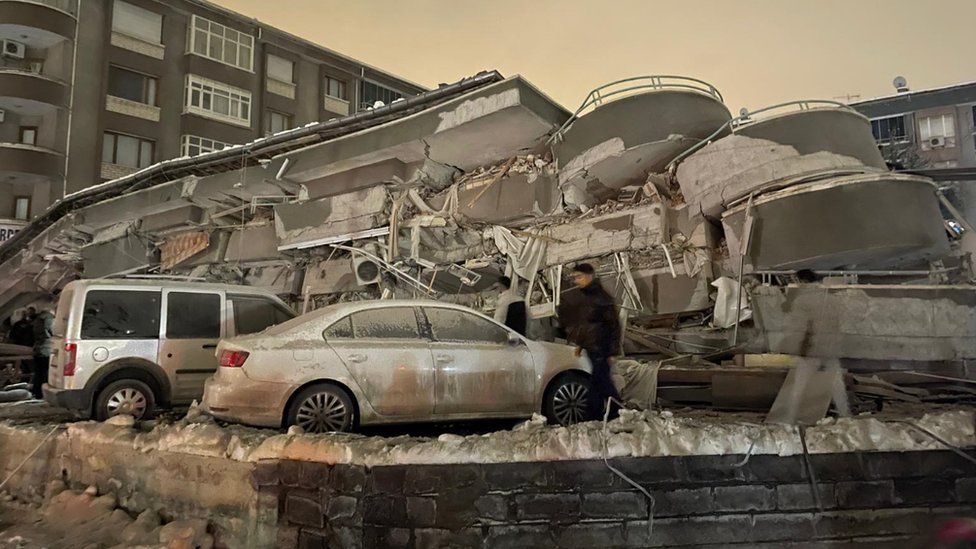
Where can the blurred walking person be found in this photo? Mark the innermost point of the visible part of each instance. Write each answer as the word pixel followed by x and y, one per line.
pixel 597 331
pixel 43 326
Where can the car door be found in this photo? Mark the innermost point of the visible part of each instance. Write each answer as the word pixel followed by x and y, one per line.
pixel 389 358
pixel 481 366
pixel 191 329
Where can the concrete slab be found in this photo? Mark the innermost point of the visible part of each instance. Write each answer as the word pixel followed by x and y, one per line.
pixel 876 322
pixel 864 221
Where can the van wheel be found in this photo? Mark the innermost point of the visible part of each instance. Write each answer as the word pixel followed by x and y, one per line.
pixel 565 402
pixel 125 396
pixel 322 409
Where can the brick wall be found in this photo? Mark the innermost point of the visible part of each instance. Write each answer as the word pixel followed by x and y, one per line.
pixel 703 501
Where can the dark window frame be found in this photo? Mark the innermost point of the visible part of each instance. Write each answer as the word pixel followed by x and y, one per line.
pixel 115 149
pixel 342 85
pixel 145 92
pixel 17 199
pixel 21 135
pixel 269 114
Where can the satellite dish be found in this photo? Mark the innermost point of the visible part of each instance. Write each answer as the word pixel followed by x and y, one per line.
pixel 900 84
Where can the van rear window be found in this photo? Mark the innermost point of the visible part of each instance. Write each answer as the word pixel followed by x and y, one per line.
pixel 121 314
pixel 253 314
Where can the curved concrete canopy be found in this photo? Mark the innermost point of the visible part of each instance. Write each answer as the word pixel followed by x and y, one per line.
pixel 621 142
pixel 872 221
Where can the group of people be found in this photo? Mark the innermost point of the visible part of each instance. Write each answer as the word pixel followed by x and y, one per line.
pixel 591 322
pixel 34 330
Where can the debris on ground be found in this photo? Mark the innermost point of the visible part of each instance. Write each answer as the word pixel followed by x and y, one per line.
pixel 68 519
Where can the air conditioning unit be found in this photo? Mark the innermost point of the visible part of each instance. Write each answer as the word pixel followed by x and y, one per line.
pixel 367 271
pixel 14 49
pixel 937 142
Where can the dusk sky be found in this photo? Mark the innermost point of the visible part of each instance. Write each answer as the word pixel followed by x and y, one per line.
pixel 757 52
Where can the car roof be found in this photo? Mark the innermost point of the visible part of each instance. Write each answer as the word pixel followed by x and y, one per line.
pixel 351 306
pixel 160 283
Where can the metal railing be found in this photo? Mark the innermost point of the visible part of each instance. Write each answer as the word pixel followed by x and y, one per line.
pixel 618 88
pixel 746 116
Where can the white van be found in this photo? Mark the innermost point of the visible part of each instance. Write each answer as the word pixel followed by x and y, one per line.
pixel 130 346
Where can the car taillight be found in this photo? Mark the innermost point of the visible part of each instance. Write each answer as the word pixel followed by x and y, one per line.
pixel 233 359
pixel 69 361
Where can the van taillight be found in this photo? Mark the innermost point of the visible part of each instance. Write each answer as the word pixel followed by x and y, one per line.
pixel 69 362
pixel 233 359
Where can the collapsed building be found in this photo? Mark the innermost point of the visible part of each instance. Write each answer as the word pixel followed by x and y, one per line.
pixel 779 230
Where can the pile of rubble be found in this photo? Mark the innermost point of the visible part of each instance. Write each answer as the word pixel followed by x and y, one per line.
pixel 689 214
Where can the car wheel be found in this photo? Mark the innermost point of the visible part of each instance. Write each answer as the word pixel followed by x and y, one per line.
pixel 566 399
pixel 322 409
pixel 125 396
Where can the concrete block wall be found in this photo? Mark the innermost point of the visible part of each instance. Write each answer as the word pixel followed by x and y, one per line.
pixel 868 499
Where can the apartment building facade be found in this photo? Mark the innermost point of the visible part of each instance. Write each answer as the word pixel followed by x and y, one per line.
pixel 930 129
pixel 92 90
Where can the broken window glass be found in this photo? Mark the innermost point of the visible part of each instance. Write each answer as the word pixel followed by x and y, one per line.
pixel 452 325
pixel 386 323
pixel 120 314
pixel 192 315
pixel 253 314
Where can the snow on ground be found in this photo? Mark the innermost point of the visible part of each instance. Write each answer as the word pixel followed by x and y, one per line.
pixel 647 433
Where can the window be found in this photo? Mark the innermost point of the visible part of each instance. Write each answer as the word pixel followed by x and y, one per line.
pixel 220 101
pixel 340 329
pixel 137 22
pixel 335 88
pixel 276 122
pixel 220 43
pixel 125 150
pixel 131 85
pixel 253 314
pixel 943 125
pixel 450 325
pixel 28 135
pixel 120 314
pixel 281 69
pixel 22 207
pixel 194 145
pixel 370 93
pixel 192 315
pixel 386 323
pixel 887 130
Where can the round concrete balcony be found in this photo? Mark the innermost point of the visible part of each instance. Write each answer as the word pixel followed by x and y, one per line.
pixel 834 129
pixel 636 127
pixel 30 88
pixel 861 221
pixel 29 163
pixel 19 17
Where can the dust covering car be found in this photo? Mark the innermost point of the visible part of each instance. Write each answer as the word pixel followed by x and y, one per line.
pixel 372 362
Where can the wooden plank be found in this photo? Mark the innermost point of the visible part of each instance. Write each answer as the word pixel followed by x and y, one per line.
pixel 745 391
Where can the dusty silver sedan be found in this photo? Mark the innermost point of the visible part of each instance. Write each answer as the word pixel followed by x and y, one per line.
pixel 373 362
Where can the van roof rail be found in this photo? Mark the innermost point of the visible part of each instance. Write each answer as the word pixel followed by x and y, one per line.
pixel 161 277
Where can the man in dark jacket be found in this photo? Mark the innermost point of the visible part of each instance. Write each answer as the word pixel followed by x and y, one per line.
pixel 22 332
pixel 597 331
pixel 43 326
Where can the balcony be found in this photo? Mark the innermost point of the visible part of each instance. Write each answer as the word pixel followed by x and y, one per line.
pixel 29 163
pixel 132 108
pixel 31 87
pixel 40 16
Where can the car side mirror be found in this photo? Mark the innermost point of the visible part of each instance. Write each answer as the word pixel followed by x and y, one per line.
pixel 513 339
